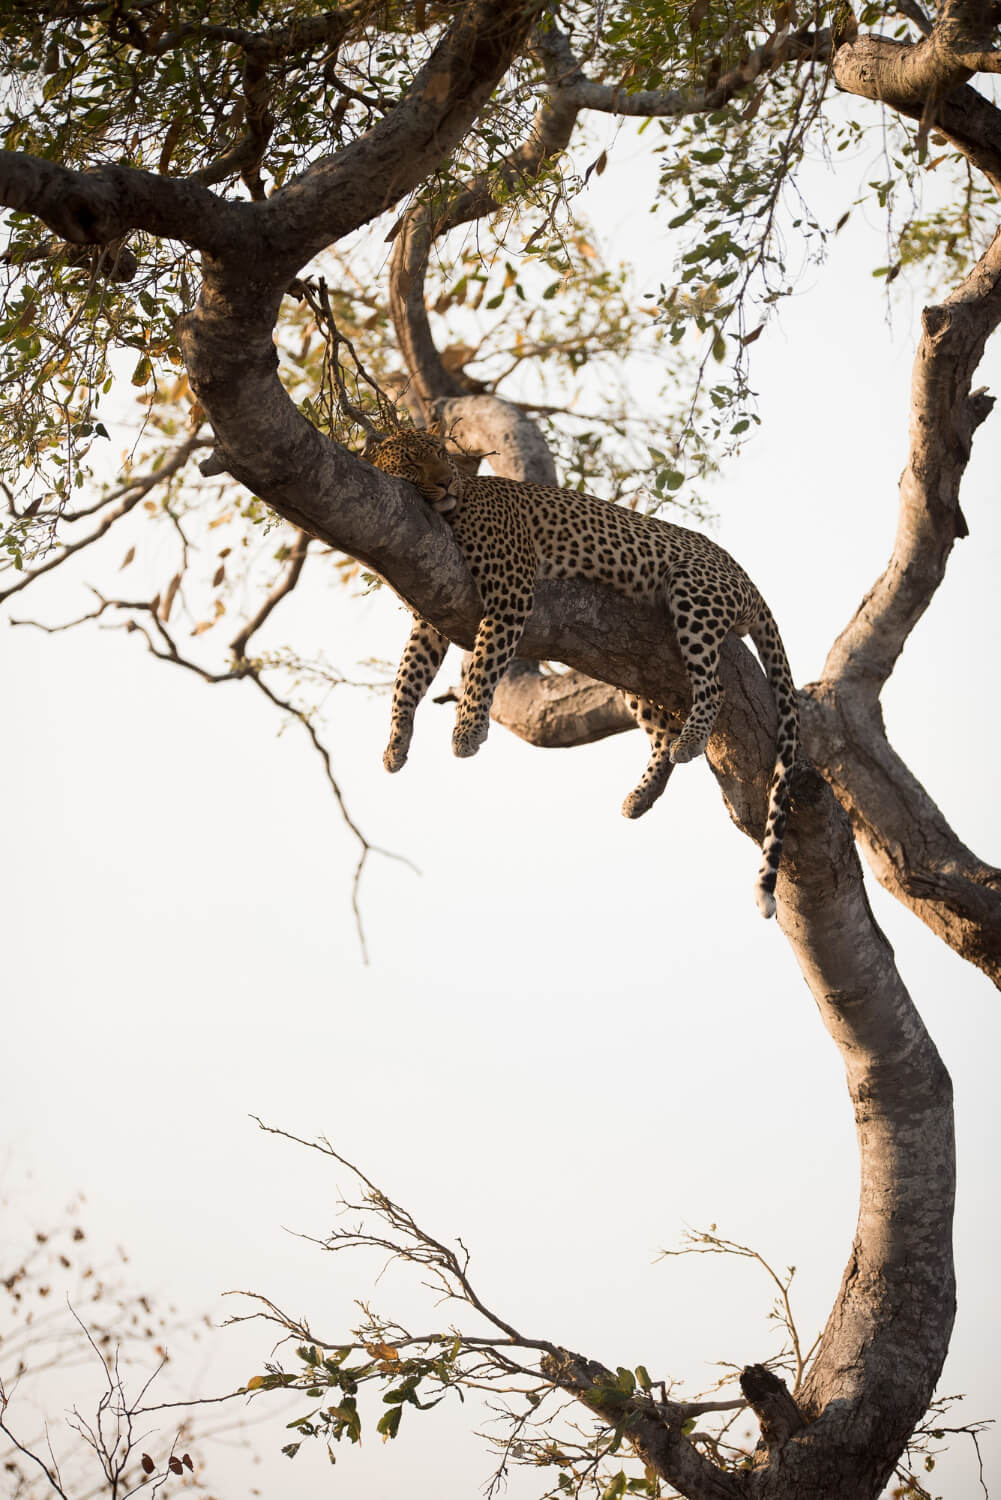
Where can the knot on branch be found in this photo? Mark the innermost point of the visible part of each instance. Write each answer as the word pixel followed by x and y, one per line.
pixel 769 1399
pixel 572 1372
pixel 980 406
pixel 935 320
pixel 216 463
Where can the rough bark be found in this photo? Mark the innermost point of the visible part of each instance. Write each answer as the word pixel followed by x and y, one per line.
pixel 908 842
pixel 928 81
pixel 887 1335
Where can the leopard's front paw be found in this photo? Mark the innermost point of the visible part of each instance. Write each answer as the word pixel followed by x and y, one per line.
pixel 686 748
pixel 396 755
pixel 639 802
pixel 467 739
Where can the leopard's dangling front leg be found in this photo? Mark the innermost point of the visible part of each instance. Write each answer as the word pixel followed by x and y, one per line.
pixel 422 656
pixel 496 643
pixel 657 723
pixel 507 593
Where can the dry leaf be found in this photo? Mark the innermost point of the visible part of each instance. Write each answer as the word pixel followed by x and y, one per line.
pixel 172 588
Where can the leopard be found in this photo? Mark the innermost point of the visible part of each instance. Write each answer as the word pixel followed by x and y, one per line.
pixel 516 534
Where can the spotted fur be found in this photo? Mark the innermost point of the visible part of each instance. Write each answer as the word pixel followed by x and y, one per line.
pixel 513 534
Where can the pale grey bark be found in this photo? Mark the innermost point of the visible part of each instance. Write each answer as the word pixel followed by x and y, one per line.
pixel 887 1335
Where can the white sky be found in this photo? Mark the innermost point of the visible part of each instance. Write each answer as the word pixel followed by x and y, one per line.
pixel 576 1034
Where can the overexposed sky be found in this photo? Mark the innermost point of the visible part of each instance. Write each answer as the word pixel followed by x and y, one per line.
pixel 576 1034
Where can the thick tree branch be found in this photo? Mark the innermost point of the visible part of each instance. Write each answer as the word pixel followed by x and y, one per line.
pixel 944 418
pixel 656 1433
pixel 780 47
pixel 909 843
pixel 489 425
pixel 96 207
pixel 388 161
pixel 928 80
pixel 557 710
pixel 769 1399
pixel 277 237
pixel 887 1335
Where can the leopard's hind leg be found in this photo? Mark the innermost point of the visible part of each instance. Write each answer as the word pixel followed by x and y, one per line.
pixel 657 723
pixel 700 629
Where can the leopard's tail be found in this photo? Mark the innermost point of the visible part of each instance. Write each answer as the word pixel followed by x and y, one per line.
pixel 768 644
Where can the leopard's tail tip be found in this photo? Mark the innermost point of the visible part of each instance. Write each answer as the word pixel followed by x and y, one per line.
pixel 766 902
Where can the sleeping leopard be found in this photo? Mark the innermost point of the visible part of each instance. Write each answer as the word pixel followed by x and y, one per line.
pixel 513 534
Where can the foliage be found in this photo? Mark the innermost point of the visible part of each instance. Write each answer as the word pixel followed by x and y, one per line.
pixel 77 1337
pixel 386 1371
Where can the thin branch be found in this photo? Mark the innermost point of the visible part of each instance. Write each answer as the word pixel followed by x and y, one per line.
pixel 133 490
pixel 366 847
pixel 296 561
pixel 242 669
pixel 50 1474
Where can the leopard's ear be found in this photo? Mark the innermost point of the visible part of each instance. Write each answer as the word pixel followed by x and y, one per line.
pixel 374 440
pixel 468 460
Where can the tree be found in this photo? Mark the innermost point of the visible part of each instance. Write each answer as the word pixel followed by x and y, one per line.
pixel 75 1328
pixel 366 110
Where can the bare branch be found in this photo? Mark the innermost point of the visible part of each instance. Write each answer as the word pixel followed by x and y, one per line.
pixel 134 490
pixel 780 47
pixel 296 562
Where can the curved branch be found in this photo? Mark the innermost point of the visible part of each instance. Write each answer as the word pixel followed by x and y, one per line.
pixel 910 845
pixel 490 425
pixel 425 222
pixel 926 81
pixel 557 710
pixel 379 168
pixel 658 1437
pixel 275 238
pixel 780 47
pixel 94 208
pixel 888 1333
pixel 944 417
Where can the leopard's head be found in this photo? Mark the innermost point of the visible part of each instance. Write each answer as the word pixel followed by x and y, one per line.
pixel 422 459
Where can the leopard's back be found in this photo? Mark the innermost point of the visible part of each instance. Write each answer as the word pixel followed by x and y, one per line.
pixel 577 535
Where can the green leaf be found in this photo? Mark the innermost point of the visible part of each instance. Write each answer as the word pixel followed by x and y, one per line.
pixel 616 1488
pixel 389 1424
